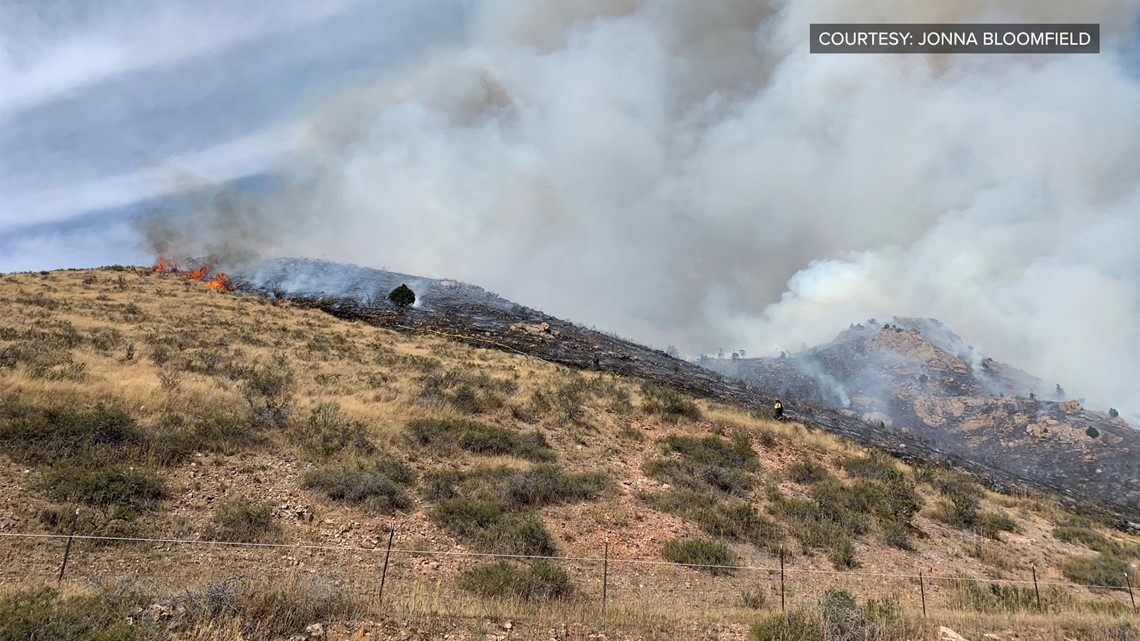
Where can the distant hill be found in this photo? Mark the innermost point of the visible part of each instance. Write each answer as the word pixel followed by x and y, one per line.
pixel 917 377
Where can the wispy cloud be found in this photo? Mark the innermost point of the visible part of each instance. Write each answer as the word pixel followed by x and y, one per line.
pixel 99 240
pixel 252 154
pixel 106 104
pixel 49 49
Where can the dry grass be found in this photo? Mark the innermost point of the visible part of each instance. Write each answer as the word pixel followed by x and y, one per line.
pixel 527 603
pixel 226 400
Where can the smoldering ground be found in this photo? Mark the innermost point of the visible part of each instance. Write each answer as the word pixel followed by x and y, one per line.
pixel 686 173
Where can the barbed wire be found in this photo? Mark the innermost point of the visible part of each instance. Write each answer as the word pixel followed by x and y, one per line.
pixel 578 559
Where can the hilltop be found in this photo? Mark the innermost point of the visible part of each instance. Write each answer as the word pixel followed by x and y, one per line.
pixel 917 377
pixel 168 410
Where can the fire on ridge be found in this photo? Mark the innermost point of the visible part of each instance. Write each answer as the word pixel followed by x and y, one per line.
pixel 199 273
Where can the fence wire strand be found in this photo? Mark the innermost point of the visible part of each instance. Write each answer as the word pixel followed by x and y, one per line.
pixel 580 559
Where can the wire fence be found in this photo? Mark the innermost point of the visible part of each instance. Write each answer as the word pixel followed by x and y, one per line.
pixel 779 582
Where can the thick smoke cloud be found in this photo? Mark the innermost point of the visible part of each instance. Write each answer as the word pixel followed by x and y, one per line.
pixel 686 173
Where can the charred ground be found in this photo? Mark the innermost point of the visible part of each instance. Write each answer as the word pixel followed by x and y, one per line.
pixel 918 378
pixel 911 387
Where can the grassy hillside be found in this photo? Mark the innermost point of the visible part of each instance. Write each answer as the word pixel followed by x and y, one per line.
pixel 162 409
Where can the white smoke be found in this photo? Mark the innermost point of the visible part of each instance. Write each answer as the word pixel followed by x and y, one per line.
pixel 686 173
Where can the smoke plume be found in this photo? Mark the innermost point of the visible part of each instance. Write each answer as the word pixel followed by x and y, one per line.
pixel 686 173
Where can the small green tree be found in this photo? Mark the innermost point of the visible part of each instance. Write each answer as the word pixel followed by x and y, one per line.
pixel 402 296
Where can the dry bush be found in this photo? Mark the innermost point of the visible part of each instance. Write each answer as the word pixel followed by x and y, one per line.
pixel 728 519
pixel 491 506
pixel 105 486
pixel 326 433
pixel 536 581
pixel 377 485
pixel 806 472
pixel 715 557
pixel 838 617
pixel 447 436
pixel 41 613
pixel 269 392
pixel 492 526
pixel 536 486
pixel 243 522
pixel 710 464
pixel 668 403
pixel 273 607
pixel 37 435
pixel 1098 570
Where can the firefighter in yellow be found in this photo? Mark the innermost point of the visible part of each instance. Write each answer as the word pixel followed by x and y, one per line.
pixel 778 410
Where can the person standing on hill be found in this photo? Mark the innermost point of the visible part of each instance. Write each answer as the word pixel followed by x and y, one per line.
pixel 778 410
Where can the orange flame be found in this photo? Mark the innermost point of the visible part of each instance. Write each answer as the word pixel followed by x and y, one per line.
pixel 199 273
pixel 165 266
pixel 220 281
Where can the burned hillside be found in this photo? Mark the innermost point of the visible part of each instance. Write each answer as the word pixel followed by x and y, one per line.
pixel 910 387
pixel 916 377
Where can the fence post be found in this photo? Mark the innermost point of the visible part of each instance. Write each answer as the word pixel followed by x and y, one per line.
pixel 782 607
pixel 67 550
pixel 1128 582
pixel 384 573
pixel 922 592
pixel 1036 592
pixel 605 573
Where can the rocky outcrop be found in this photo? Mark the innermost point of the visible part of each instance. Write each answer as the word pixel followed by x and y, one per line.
pixel 929 384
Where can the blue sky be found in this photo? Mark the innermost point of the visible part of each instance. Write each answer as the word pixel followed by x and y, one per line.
pixel 106 106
